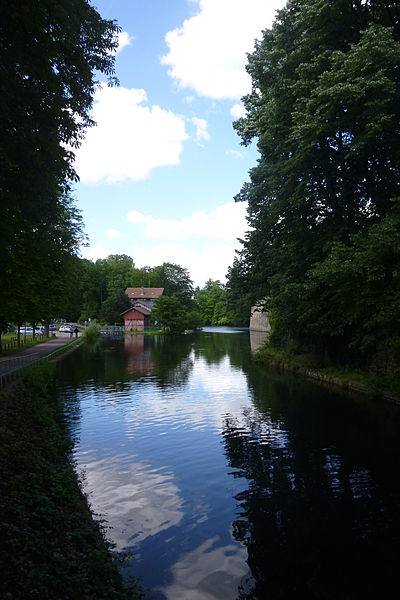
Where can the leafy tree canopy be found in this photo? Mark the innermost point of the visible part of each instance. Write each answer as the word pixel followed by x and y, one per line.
pixel 176 281
pixel 51 54
pixel 211 301
pixel 325 109
pixel 169 312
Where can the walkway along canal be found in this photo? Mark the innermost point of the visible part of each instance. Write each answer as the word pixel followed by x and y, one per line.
pixel 12 365
pixel 227 481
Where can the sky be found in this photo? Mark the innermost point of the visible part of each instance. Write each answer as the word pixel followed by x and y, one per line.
pixel 159 171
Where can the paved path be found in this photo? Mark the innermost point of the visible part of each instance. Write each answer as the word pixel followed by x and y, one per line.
pixel 12 363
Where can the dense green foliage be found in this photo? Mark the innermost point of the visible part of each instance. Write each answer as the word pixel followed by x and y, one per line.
pixel 211 302
pixel 323 198
pixel 102 286
pixel 50 57
pixel 170 314
pixel 176 282
pixel 177 309
pixel 92 332
pixel 241 292
pixel 49 545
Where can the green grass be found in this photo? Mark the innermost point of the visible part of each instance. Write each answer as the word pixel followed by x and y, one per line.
pixel 63 349
pixel 146 331
pixel 50 545
pixel 372 384
pixel 376 384
pixel 9 343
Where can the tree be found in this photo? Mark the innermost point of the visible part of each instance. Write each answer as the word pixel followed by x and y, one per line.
pixel 354 294
pixel 241 291
pixel 92 287
pixel 211 300
pixel 176 282
pixel 119 273
pixel 170 314
pixel 50 56
pixel 113 306
pixel 325 108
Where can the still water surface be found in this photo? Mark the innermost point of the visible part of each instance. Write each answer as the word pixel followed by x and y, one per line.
pixel 227 481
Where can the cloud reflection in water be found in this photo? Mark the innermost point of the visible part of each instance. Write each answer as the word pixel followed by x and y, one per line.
pixel 209 572
pixel 135 497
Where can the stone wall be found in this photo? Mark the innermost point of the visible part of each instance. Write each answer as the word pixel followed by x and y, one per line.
pixel 259 320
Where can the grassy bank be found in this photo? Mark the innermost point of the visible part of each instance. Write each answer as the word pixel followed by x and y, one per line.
pixel 50 546
pixel 9 343
pixel 370 384
pixel 149 331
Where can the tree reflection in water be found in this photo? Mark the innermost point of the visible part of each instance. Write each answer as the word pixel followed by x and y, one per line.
pixel 310 515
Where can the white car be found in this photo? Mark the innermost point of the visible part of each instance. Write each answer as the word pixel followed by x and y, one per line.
pixel 26 330
pixel 66 329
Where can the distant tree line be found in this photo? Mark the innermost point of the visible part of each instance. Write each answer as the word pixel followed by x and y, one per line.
pixel 101 286
pixel 324 197
pixel 97 292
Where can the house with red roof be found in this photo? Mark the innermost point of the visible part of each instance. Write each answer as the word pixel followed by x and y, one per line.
pixel 137 317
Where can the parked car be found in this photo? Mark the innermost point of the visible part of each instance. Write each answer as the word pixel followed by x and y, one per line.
pixel 28 330
pixel 52 326
pixel 66 329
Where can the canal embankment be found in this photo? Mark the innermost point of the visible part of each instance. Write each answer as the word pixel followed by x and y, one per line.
pixel 51 545
pixel 379 386
pixel 13 365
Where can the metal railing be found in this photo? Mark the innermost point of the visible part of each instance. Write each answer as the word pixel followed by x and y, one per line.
pixel 12 367
pixel 112 329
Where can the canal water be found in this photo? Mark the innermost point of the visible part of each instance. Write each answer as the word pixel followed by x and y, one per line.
pixel 228 481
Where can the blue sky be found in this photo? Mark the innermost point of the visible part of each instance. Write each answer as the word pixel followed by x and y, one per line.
pixel 160 170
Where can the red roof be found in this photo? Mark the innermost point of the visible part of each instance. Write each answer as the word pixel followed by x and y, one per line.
pixel 142 292
pixel 139 309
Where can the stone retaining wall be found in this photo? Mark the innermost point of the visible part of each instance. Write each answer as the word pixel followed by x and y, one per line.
pixel 259 320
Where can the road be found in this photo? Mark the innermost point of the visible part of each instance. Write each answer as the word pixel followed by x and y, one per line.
pixel 9 365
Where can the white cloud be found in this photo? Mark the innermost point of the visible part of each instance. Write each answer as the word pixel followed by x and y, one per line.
pixel 124 40
pixel 203 242
pixel 211 261
pixel 201 129
pixel 208 53
pixel 130 139
pixel 235 153
pixel 134 216
pixel 96 251
pixel 181 240
pixel 238 111
pixel 114 233
pixel 227 222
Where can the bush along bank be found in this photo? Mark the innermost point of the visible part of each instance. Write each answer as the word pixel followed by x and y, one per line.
pixel 385 387
pixel 92 332
pixel 50 545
